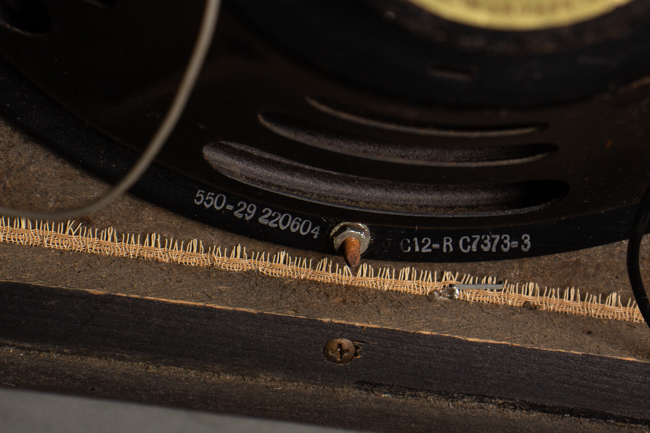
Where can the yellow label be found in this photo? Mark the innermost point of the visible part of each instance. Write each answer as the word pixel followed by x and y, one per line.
pixel 519 14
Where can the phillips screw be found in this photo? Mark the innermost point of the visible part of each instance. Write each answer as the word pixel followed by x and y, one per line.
pixel 340 350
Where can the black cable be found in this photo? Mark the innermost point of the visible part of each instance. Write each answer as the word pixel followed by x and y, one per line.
pixel 633 249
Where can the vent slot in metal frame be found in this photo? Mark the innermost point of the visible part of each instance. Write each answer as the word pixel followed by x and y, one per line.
pixel 434 155
pixel 269 172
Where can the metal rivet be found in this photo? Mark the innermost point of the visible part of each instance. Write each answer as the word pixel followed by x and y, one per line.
pixel 340 350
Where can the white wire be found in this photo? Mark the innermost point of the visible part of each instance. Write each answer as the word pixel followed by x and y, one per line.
pixel 194 66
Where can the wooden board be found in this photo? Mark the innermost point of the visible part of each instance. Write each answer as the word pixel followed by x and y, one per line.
pixel 291 348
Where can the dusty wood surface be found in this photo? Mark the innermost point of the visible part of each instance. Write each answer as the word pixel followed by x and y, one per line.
pixel 324 301
pixel 360 408
pixel 291 349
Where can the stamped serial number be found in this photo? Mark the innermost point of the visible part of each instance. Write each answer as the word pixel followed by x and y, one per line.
pixel 247 211
pixel 467 244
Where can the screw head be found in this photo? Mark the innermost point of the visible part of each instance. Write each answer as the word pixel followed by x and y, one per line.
pixel 340 350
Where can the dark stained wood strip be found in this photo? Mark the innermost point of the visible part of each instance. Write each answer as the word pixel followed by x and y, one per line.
pixel 372 409
pixel 292 348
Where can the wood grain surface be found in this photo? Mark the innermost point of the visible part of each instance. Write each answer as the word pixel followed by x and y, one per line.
pixel 240 341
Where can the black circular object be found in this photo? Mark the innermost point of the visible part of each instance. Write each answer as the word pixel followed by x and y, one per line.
pixel 311 113
pixel 419 57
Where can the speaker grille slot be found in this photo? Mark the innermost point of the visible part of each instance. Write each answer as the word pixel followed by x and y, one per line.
pixel 269 172
pixel 366 118
pixel 448 155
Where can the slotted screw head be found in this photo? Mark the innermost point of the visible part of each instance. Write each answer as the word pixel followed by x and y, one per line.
pixel 339 350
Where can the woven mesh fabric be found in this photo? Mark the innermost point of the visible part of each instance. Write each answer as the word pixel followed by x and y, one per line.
pixel 69 236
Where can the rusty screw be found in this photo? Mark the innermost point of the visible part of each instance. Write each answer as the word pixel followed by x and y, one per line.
pixel 339 350
pixel 351 239
pixel 351 252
